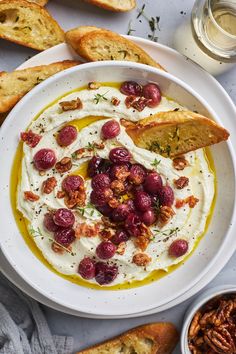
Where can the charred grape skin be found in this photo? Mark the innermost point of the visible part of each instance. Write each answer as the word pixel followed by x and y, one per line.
pixel 67 135
pixel 93 166
pixel 178 248
pixel 110 129
pixel 142 201
pixel 105 250
pixel 166 196
pixel 153 183
pixel 121 212
pixel 120 236
pixel 49 223
pixel 132 225
pixel 153 93
pixel 137 174
pixel 65 237
pixel 64 217
pixel 119 155
pixel 131 205
pixel 100 197
pixel 105 210
pixel 100 181
pixel 148 217
pixel 72 183
pixel 131 88
pixel 105 274
pixel 44 159
pixel 117 169
pixel 87 268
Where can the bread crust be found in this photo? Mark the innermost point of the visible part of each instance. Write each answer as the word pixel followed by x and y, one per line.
pixel 175 133
pixel 113 5
pixel 14 85
pixel 39 2
pixel 83 42
pixel 17 36
pixel 157 338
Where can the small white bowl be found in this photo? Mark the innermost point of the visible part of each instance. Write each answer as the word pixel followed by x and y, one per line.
pixel 196 305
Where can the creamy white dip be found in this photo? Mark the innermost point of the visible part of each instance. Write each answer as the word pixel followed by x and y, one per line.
pixel 190 222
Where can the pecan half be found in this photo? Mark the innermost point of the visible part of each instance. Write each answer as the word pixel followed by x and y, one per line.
pixel 113 203
pixel 81 153
pixel 115 101
pixel 117 186
pixel 140 104
pixel 144 239
pixel 191 201
pixel 121 173
pixel 181 182
pixel 129 101
pixel 57 248
pixel 75 198
pixel 49 185
pixel 180 163
pixel 220 340
pixel 61 194
pixel 195 325
pixel 141 259
pixel 84 230
pixel 64 165
pixel 30 196
pixel 30 138
pixel 71 105
pixel 106 234
pixel 165 215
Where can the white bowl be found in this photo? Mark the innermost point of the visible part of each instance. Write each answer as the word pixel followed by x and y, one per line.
pixel 196 305
pixel 217 245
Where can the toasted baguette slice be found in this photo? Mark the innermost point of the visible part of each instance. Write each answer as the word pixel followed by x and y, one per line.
pixel 175 133
pixel 153 338
pixel 39 2
pixel 14 85
pixel 94 44
pixel 28 24
pixel 114 5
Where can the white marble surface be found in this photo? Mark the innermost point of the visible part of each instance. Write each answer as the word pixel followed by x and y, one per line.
pixel 71 13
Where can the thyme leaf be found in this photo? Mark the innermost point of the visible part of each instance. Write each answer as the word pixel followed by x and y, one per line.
pixel 167 232
pixel 141 12
pixel 155 163
pixel 88 207
pixel 98 97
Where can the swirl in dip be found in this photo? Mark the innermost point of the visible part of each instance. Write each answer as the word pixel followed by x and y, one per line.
pixel 97 206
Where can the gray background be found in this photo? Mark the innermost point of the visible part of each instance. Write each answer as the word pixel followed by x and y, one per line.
pixel 72 13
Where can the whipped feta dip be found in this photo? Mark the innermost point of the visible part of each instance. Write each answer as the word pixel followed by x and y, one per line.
pixel 187 223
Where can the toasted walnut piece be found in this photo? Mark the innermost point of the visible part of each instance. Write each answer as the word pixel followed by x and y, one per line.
pixel 94 85
pixel 165 215
pixel 141 242
pixel 75 198
pixel 141 259
pixel 100 145
pixel 106 234
pixel 191 201
pixel 71 105
pixel 195 325
pixel 181 182
pixel 30 138
pixel 57 248
pixel 180 163
pixel 42 173
pixel 113 203
pixel 122 174
pixel 30 196
pixel 81 153
pixel 129 101
pixel 107 222
pixel 64 165
pixel 220 340
pixel 84 230
pixel 140 104
pixel 49 185
pixel 115 101
pixel 61 194
pixel 117 186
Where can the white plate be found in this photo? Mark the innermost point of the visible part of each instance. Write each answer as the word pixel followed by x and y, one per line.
pixel 167 57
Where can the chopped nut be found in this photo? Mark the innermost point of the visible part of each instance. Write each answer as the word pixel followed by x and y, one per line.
pixel 195 325
pixel 61 194
pixel 113 203
pixel 30 138
pixel 30 196
pixel 64 165
pixel 165 215
pixel 220 340
pixel 117 186
pixel 141 259
pixel 181 182
pixel 191 201
pixel 57 248
pixel 71 105
pixel 106 234
pixel 107 222
pixel 42 173
pixel 115 101
pixel 94 85
pixel 129 101
pixel 84 230
pixel 140 104
pixel 180 163
pixel 81 153
pixel 121 173
pixel 121 248
pixel 49 185
pixel 75 198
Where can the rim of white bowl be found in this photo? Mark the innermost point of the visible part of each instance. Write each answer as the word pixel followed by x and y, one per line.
pixel 202 299
pixel 87 66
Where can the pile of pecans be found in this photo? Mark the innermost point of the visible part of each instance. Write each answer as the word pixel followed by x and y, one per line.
pixel 213 328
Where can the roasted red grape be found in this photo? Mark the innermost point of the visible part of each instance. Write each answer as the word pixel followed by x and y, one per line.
pixel 153 183
pixel 132 225
pixel 105 250
pixel 166 196
pixel 137 174
pixel 72 183
pixel 105 209
pixel 49 223
pixel 100 181
pixel 119 171
pixel 148 217
pixel 100 197
pixel 142 201
pixel 67 135
pixel 153 93
pixel 64 236
pixel 178 248
pixel 120 236
pixel 105 274
pixel 121 212
pixel 44 159
pixel 64 217
pixel 93 166
pixel 131 88
pixel 110 129
pixel 87 268
pixel 119 154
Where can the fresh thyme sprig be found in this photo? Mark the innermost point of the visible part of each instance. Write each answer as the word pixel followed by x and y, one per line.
pixel 98 97
pixel 167 232
pixel 153 24
pixel 38 233
pixel 130 29
pixel 86 208
pixel 91 146
pixel 155 163
pixel 141 12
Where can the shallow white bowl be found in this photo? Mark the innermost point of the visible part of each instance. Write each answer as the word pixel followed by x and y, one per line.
pixel 196 305
pixel 218 241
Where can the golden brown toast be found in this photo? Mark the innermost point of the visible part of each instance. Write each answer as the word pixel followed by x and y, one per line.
pixel 153 338
pixel 175 133
pixel 14 85
pixel 94 44
pixel 39 2
pixel 114 5
pixel 29 24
